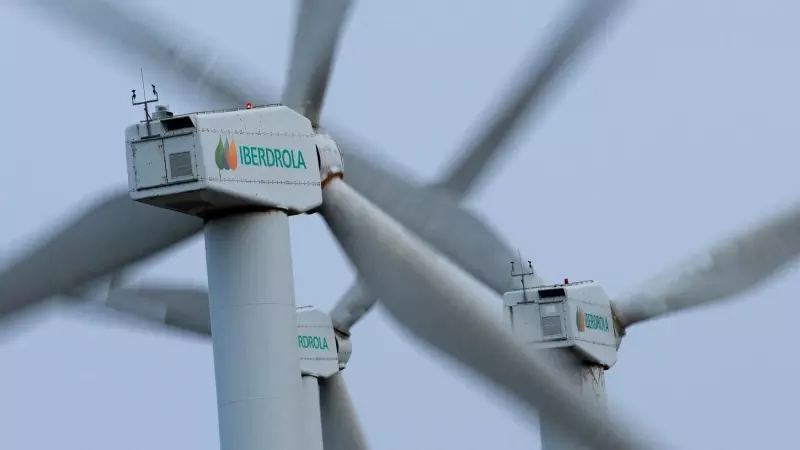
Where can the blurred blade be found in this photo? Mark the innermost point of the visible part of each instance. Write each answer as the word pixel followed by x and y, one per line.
pixel 128 36
pixel 112 234
pixel 97 313
pixel 458 233
pixel 97 288
pixel 433 215
pixel 533 82
pixel 318 29
pixel 440 304
pixel 355 303
pixel 115 280
pixel 340 427
pixel 185 308
pixel 728 269
pixel 82 291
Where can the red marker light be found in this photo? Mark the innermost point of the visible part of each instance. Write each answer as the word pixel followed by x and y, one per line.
pixel 249 105
pixel 566 280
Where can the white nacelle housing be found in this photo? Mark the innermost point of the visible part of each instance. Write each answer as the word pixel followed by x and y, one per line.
pixel 205 164
pixel 316 341
pixel 574 315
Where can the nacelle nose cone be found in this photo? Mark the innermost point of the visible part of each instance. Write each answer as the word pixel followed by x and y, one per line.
pixel 330 158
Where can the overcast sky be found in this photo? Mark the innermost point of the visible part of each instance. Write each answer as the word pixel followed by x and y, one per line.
pixel 679 129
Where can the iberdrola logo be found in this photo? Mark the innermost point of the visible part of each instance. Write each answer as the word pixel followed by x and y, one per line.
pixel 581 320
pixel 226 155
pixel 590 321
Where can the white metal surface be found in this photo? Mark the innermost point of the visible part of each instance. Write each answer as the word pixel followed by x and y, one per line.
pixel 311 416
pixel 345 348
pixel 572 315
pixel 330 157
pixel 204 163
pixel 253 330
pixel 316 343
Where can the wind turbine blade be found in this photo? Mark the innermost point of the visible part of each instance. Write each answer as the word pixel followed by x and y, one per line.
pixel 115 280
pixel 318 29
pixel 718 273
pixel 341 429
pixel 432 214
pixel 112 234
pixel 185 308
pixel 89 310
pixel 440 304
pixel 533 82
pixel 90 290
pixel 355 303
pixel 125 34
pixel 437 218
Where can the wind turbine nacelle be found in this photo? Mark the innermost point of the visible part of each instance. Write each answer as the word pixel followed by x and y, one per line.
pixel 316 341
pixel 573 315
pixel 214 163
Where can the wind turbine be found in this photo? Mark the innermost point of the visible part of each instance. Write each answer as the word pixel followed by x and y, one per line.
pixel 246 229
pixel 728 270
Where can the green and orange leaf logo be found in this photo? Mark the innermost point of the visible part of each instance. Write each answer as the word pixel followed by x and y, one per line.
pixel 226 156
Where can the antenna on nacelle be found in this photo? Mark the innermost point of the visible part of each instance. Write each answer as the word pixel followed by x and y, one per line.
pixel 522 274
pixel 145 102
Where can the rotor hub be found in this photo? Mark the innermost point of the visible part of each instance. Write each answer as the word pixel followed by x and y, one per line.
pixel 344 347
pixel 331 164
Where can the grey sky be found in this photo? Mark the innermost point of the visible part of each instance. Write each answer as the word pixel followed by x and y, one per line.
pixel 679 129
